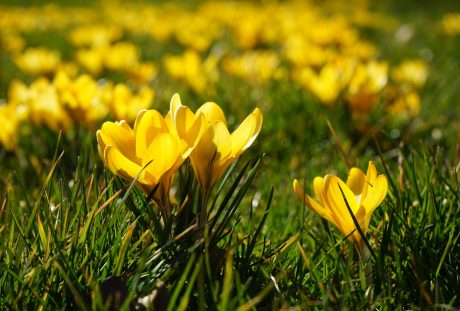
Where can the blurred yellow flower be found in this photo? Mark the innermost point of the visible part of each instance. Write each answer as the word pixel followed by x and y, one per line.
pixel 451 23
pixel 254 66
pixel 11 116
pixel 122 56
pixel 329 82
pixel 143 73
pixel 12 42
pixel 402 102
pixel 362 192
pixel 42 102
pixel 95 35
pixel 365 86
pixel 194 31
pixel 302 52
pixel 38 61
pixel 84 97
pixel 188 67
pixel 414 72
pixel 91 59
pixel 360 49
pixel 125 105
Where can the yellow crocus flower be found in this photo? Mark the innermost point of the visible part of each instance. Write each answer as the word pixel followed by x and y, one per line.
pixel 213 148
pixel 413 72
pixel 362 192
pixel 217 148
pixel 95 35
pixel 148 147
pixel 451 23
pixel 42 102
pixel 11 117
pixel 125 104
pixel 122 56
pixel 365 85
pixel 184 123
pixel 36 61
pixel 200 75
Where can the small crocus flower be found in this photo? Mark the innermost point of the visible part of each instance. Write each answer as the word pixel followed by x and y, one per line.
pixel 214 147
pixel 36 61
pixel 149 150
pixel 11 117
pixel 365 86
pixel 412 72
pixel 200 75
pixel 362 192
pixel 218 148
pixel 125 104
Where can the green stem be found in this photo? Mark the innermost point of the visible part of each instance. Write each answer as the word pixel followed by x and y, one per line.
pixel 364 260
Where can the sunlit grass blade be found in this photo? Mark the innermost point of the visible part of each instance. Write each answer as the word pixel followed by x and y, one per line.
pixel 124 249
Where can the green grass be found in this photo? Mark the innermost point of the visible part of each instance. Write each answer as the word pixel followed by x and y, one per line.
pixel 74 236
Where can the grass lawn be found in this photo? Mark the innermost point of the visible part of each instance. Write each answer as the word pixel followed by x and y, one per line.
pixel 273 155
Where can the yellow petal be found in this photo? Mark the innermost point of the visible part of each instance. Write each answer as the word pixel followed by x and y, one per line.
pixel 121 165
pixel 121 136
pixel 212 112
pixel 100 144
pixel 355 180
pixel 371 173
pixel 335 201
pixel 139 116
pixel 318 188
pixel 163 154
pixel 212 149
pixel 189 126
pixel 148 126
pixel 175 103
pixel 246 133
pixel 371 176
pixel 375 195
pixel 312 204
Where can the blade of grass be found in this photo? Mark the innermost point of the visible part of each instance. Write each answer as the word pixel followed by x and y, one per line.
pixel 76 294
pixel 124 249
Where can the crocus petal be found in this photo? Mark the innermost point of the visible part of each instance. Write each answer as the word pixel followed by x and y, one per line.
pixel 214 145
pixel 175 103
pixel 125 125
pixel 148 126
pixel 212 112
pixel 189 126
pixel 318 188
pixel 335 201
pixel 162 154
pixel 120 165
pixel 312 204
pixel 246 133
pixel 100 144
pixel 355 180
pixel 121 136
pixel 371 176
pixel 375 196
pixel 138 118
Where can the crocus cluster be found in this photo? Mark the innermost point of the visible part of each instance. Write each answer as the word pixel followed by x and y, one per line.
pixel 64 101
pixel 317 47
pixel 337 201
pixel 153 149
